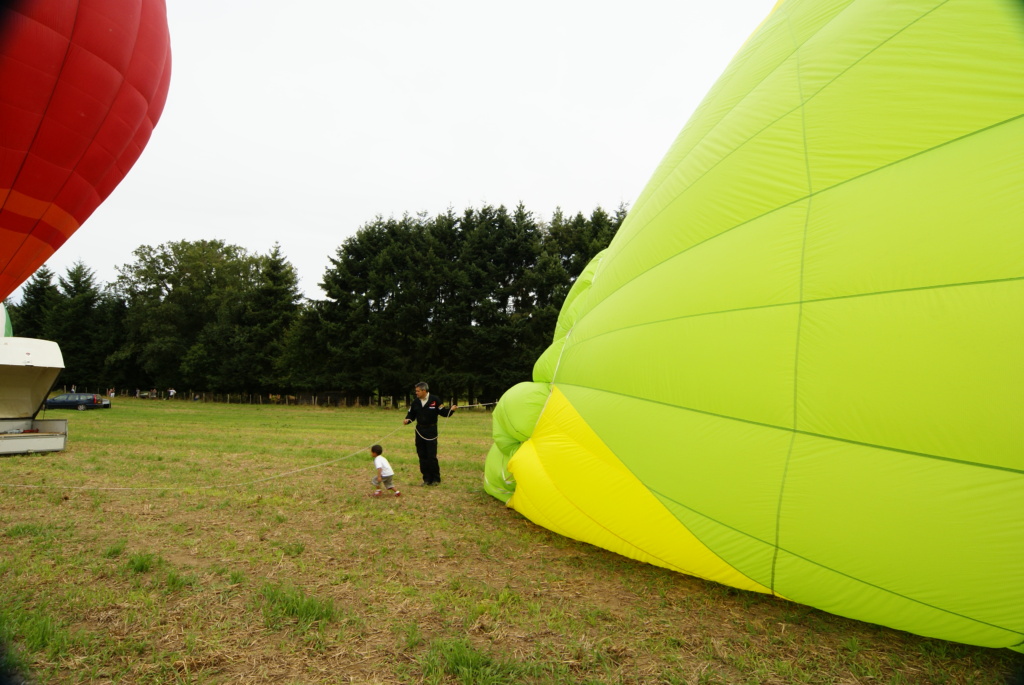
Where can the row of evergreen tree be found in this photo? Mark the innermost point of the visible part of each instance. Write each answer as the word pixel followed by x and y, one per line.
pixel 467 302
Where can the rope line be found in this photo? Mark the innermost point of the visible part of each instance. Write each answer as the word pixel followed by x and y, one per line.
pixel 228 485
pixel 200 487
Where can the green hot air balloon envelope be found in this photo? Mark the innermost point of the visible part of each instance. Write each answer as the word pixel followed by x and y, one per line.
pixel 797 368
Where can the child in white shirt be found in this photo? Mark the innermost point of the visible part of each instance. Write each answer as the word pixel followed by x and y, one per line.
pixel 385 473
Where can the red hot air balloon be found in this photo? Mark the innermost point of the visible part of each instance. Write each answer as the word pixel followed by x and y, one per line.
pixel 82 84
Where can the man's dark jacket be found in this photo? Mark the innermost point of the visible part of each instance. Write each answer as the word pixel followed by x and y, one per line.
pixel 425 415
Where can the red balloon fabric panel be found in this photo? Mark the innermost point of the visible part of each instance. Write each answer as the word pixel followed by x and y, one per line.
pixel 82 84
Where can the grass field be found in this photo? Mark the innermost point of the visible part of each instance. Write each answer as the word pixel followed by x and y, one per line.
pixel 200 543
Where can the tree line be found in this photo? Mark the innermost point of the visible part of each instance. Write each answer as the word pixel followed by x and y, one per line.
pixel 466 301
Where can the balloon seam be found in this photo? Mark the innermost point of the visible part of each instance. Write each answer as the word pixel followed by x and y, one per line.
pixel 817 300
pixel 906 597
pixel 800 313
pixel 912 453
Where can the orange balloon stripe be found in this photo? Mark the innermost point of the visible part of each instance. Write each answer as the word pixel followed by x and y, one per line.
pixel 30 231
pixel 20 261
pixel 23 207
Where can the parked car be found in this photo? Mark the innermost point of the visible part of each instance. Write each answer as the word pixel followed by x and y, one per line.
pixel 78 400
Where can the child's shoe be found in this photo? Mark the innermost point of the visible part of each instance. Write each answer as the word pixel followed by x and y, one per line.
pixel 398 493
pixel 377 494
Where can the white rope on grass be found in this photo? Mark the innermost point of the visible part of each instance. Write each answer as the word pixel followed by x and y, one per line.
pixel 224 486
pixel 201 487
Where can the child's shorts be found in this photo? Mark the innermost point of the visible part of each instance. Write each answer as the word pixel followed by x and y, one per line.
pixel 387 481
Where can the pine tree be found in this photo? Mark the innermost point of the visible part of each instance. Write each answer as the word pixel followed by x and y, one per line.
pixel 38 297
pixel 72 324
pixel 270 310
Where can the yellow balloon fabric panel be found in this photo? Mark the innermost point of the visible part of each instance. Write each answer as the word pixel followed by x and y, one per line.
pixel 568 493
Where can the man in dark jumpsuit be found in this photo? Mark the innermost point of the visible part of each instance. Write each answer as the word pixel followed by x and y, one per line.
pixel 424 411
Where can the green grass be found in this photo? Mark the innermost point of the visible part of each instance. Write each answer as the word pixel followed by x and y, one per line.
pixel 280 603
pixel 202 543
pixel 460 660
pixel 115 550
pixel 32 530
pixel 180 581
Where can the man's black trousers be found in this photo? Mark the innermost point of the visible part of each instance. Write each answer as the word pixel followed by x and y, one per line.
pixel 426 450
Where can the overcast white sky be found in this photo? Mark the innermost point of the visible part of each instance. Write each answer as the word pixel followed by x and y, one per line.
pixel 299 122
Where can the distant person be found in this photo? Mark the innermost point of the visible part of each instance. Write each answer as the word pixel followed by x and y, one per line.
pixel 385 474
pixel 171 393
pixel 424 411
